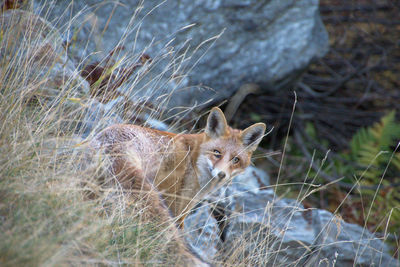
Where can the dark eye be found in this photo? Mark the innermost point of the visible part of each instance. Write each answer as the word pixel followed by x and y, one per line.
pixel 235 160
pixel 217 154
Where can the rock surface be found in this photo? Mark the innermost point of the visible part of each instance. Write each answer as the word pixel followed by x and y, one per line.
pixel 266 42
pixel 281 232
pixel 203 233
pixel 32 42
pixel 98 116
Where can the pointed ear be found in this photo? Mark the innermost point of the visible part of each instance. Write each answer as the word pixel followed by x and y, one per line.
pixel 252 136
pixel 216 123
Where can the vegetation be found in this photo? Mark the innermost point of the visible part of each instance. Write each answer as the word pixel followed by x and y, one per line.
pixel 55 207
pixel 370 170
pixel 47 215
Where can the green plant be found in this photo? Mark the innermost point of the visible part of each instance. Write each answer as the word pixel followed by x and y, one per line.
pixel 373 149
pixel 373 162
pixel 367 193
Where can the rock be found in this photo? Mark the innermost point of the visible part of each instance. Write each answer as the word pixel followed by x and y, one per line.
pixel 261 229
pixel 265 42
pixel 264 225
pixel 98 116
pixel 346 244
pixel 33 49
pixel 202 232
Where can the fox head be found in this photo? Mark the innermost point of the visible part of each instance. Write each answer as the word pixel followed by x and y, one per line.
pixel 226 152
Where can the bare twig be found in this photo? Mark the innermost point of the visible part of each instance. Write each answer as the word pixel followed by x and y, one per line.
pixel 238 97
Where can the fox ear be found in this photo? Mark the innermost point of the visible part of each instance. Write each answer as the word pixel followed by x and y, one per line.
pixel 216 123
pixel 252 136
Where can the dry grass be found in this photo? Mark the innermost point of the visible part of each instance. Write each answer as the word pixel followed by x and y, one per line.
pixel 54 210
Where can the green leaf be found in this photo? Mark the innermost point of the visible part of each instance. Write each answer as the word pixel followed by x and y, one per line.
pixel 371 147
pixel 359 140
pixel 396 161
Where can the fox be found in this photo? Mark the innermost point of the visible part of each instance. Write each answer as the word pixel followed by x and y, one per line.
pixel 178 170
pixel 180 167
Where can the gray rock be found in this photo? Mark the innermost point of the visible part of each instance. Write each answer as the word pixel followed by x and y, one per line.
pixel 202 232
pixel 47 73
pixel 264 230
pixel 347 244
pixel 275 229
pixel 201 228
pixel 98 116
pixel 267 42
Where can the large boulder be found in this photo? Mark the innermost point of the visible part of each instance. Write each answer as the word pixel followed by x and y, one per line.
pixel 266 42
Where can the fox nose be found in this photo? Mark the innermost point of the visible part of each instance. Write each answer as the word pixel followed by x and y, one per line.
pixel 221 175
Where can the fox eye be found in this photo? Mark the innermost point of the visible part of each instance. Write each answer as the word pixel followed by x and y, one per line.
pixel 235 160
pixel 217 154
